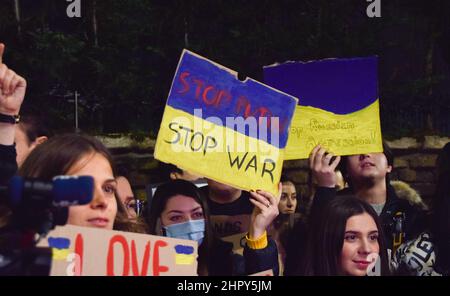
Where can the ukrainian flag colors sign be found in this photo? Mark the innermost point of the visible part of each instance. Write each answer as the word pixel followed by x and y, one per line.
pixel 338 105
pixel 79 251
pixel 222 128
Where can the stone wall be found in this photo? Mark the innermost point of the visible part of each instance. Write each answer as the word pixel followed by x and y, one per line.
pixel 414 162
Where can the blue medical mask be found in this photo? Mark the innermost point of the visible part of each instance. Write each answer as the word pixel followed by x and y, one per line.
pixel 191 230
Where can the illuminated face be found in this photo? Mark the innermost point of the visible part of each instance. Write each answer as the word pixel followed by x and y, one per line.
pixel 180 209
pixel 288 200
pixel 360 241
pixel 102 210
pixel 373 166
pixel 125 194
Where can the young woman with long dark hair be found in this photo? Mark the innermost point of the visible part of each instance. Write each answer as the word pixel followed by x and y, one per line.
pixel 180 210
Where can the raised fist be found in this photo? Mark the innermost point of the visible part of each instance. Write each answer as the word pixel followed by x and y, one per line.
pixel 12 88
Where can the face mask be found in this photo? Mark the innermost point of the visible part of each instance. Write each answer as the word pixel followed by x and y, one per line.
pixel 191 230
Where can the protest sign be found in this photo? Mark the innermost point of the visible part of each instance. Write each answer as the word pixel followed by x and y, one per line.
pixel 92 251
pixel 338 105
pixel 222 128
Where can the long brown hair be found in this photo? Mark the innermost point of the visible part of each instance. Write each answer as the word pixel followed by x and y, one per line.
pixel 57 155
pixel 326 237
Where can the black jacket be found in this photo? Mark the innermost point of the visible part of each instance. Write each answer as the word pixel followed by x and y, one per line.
pixel 8 165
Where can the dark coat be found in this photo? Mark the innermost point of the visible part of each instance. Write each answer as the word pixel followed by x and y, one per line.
pixel 8 165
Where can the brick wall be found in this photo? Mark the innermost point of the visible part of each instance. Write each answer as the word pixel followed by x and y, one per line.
pixel 414 162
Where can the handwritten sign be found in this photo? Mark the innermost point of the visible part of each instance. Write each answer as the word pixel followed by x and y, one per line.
pixel 222 128
pixel 338 105
pixel 91 251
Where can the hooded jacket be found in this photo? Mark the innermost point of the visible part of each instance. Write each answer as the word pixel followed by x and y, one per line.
pixel 8 165
pixel 406 192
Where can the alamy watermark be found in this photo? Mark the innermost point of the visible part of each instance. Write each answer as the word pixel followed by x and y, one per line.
pixel 74 8
pixel 374 8
pixel 374 268
pixel 211 134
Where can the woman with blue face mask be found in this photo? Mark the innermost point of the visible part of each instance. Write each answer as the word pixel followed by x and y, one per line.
pixel 179 210
pixel 183 218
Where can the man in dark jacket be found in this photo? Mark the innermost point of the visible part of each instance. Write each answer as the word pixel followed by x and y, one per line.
pixel 368 179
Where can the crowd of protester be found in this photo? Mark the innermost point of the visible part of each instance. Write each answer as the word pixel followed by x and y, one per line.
pixel 356 221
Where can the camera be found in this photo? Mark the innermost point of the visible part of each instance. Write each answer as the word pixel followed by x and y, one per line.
pixel 35 207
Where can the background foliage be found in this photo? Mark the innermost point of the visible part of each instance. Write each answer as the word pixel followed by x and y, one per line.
pixel 121 55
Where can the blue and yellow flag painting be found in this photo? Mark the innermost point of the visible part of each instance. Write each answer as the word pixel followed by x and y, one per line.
pixel 60 247
pixel 338 105
pixel 222 128
pixel 184 255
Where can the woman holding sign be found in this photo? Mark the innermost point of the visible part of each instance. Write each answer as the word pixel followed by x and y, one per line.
pixel 179 210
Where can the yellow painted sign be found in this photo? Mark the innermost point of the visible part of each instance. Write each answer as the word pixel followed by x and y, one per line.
pixel 338 105
pixel 222 128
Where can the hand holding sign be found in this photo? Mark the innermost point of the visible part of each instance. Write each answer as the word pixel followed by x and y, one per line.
pixel 12 88
pixel 322 166
pixel 266 210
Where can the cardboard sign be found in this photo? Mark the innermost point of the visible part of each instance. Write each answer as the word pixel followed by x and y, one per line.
pixel 91 251
pixel 338 105
pixel 222 128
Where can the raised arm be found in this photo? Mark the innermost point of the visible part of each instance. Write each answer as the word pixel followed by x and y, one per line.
pixel 12 93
